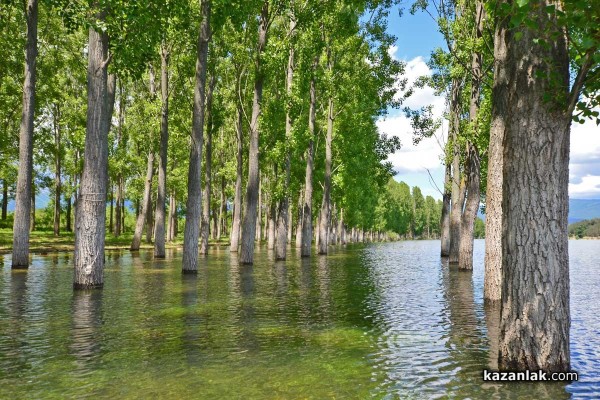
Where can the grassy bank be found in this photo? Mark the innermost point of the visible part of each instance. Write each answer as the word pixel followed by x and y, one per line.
pixel 45 241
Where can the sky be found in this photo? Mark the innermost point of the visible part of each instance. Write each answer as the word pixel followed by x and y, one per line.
pixel 421 165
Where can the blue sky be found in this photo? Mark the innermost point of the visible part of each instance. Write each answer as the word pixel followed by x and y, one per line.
pixel 417 36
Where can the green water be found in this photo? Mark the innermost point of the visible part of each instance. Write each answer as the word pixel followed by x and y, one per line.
pixel 376 321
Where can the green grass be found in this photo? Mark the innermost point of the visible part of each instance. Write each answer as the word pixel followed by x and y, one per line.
pixel 45 241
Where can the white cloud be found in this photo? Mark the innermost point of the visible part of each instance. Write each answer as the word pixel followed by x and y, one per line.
pixel 588 187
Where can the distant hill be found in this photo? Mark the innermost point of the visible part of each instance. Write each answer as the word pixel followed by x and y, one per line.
pixel 581 209
pixel 587 228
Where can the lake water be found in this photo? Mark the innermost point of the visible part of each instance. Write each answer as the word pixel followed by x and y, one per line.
pixel 382 320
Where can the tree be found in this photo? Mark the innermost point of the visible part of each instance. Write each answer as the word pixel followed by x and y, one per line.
pixel 20 254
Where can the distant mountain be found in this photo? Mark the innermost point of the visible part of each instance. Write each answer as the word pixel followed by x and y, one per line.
pixel 579 209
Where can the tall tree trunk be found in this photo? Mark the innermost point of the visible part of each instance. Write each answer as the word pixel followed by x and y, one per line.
pixel 194 200
pixel 308 180
pixel 21 224
pixel 237 201
pixel 248 231
pixel 445 221
pixel 205 226
pixel 172 217
pixel 159 217
pixel 473 170
pixel 457 205
pixel 149 220
pixel 258 237
pixel 90 222
pixel 300 219
pixel 535 315
pixel 222 230
pixel 492 285
pixel 146 204
pixel 4 199
pixel 57 169
pixel 326 203
pixel 341 227
pixel 271 218
pixel 68 214
pixel 283 214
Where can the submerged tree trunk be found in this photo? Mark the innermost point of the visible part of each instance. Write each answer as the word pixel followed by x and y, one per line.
pixel 57 169
pixel 150 220
pixel 300 219
pixel 194 200
pixel 308 180
pixel 159 216
pixel 21 224
pixel 283 220
pixel 249 227
pixel 237 201
pixel 146 204
pixel 535 315
pixel 205 225
pixel 271 221
pixel 473 169
pixel 457 204
pixel 326 203
pixel 90 222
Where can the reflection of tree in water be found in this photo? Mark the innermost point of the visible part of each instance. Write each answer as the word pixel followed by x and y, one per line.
pixel 12 330
pixel 191 320
pixel 86 328
pixel 324 277
pixel 280 275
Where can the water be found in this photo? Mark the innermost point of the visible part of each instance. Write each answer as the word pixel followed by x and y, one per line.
pixel 374 321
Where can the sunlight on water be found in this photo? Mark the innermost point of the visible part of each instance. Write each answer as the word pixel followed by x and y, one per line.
pixel 376 321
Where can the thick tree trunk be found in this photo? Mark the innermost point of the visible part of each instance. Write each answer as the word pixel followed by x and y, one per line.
pixel 57 170
pixel 90 222
pixel 308 180
pixel 205 225
pixel 21 224
pixel 237 200
pixel 283 234
pixel 535 315
pixel 457 204
pixel 248 231
pixel 445 221
pixel 150 220
pixel 146 204
pixel 492 285
pixel 473 170
pixel 194 200
pixel 161 198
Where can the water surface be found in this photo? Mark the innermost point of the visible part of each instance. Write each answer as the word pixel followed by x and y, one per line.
pixel 383 320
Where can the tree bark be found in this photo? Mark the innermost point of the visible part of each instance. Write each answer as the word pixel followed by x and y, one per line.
pixel 308 181
pixel 194 200
pixel 57 169
pixel 248 231
pixel 237 201
pixel 457 205
pixel 161 198
pixel 326 203
pixel 146 204
pixel 283 220
pixel 150 209
pixel 535 315
pixel 90 222
pixel 300 219
pixel 271 221
pixel 205 225
pixel 473 170
pixel 21 222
